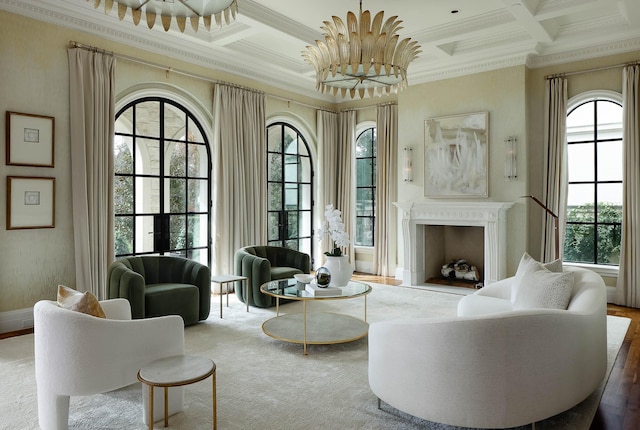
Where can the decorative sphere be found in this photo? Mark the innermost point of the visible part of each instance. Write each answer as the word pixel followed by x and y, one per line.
pixel 323 277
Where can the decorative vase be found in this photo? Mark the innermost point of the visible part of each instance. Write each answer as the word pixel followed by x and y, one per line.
pixel 323 277
pixel 340 269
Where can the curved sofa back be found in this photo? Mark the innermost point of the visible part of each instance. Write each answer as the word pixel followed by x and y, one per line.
pixel 162 269
pixel 589 291
pixel 280 257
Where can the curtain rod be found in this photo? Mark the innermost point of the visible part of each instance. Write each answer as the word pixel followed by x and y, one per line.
pixel 168 70
pixel 596 69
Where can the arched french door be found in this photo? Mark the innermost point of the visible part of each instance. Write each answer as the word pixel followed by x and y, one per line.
pixel 289 188
pixel 162 189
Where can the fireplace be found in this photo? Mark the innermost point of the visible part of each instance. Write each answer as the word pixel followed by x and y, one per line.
pixel 425 224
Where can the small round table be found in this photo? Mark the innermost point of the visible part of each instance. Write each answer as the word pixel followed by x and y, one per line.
pixel 176 371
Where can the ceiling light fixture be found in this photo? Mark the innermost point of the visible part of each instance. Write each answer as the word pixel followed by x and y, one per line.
pixel 178 9
pixel 361 57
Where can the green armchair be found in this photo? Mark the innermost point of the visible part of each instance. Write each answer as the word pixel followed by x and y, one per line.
pixel 265 263
pixel 162 285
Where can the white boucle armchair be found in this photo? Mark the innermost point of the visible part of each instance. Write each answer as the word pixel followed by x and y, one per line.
pixel 500 369
pixel 78 354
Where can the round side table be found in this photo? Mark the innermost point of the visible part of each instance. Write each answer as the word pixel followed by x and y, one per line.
pixel 176 371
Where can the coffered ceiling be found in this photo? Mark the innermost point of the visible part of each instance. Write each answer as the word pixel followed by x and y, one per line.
pixel 458 37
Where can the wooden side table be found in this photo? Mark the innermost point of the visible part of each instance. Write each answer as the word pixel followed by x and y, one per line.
pixel 176 371
pixel 226 279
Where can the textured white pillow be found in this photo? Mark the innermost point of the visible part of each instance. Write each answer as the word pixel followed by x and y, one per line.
pixel 528 265
pixel 544 289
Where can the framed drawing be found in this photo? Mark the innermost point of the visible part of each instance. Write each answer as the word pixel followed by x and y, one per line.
pixel 29 139
pixel 456 155
pixel 30 202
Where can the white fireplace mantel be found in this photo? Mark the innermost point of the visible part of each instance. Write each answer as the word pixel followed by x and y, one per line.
pixel 488 214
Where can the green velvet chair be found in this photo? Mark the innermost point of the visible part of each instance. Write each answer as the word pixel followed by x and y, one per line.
pixel 162 285
pixel 266 263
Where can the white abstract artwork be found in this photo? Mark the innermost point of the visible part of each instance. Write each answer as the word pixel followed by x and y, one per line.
pixel 456 155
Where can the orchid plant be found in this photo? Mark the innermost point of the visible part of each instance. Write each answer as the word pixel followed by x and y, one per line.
pixel 334 228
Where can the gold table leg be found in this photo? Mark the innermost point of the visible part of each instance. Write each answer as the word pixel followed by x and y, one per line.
pixel 166 406
pixel 213 395
pixel 304 312
pixel 150 407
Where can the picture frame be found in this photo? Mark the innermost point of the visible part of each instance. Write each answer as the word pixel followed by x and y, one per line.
pixel 29 139
pixel 456 156
pixel 30 202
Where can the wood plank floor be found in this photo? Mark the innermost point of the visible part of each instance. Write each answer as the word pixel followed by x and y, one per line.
pixel 620 405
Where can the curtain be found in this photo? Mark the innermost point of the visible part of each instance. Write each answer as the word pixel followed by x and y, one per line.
pixel 327 126
pixel 555 166
pixel 240 173
pixel 386 180
pixel 92 118
pixel 628 279
pixel 345 176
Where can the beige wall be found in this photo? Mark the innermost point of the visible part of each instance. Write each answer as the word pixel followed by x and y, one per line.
pixel 610 79
pixel 34 79
pixel 502 94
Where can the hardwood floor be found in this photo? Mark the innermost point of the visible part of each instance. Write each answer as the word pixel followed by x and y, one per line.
pixel 620 405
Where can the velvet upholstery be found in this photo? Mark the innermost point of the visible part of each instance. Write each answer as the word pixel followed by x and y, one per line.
pixel 265 263
pixel 162 285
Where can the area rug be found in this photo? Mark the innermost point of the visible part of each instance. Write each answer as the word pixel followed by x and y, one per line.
pixel 263 383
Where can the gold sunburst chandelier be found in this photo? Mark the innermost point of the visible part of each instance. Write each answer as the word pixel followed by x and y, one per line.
pixel 181 10
pixel 362 57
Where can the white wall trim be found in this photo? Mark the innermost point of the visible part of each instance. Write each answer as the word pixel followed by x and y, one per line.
pixel 18 319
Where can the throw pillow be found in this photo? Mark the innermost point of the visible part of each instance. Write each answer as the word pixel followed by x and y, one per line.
pixel 86 302
pixel 544 289
pixel 527 265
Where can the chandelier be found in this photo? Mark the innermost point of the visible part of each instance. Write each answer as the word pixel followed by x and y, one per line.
pixel 361 57
pixel 178 9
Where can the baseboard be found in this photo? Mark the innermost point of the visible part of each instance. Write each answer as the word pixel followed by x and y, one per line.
pixel 19 319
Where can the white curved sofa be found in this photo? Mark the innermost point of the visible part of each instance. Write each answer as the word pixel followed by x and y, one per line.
pixel 78 354
pixel 492 366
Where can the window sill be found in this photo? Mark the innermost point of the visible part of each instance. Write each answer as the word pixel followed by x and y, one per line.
pixel 364 249
pixel 600 269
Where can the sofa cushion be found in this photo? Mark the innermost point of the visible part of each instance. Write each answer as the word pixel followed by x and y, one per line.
pixel 476 305
pixel 544 289
pixel 283 272
pixel 527 265
pixel 172 299
pixel 86 302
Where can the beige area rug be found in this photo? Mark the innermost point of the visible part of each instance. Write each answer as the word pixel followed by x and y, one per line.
pixel 264 383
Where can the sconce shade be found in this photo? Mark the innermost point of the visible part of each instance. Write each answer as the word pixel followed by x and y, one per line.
pixel 407 168
pixel 510 160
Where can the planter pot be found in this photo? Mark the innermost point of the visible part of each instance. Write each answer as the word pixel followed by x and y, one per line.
pixel 340 269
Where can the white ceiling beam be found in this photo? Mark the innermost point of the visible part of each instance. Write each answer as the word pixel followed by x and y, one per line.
pixel 630 9
pixel 524 12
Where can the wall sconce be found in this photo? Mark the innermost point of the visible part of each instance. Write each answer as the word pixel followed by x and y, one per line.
pixel 407 167
pixel 510 162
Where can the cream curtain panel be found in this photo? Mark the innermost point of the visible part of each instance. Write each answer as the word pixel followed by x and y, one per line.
pixel 327 171
pixel 386 180
pixel 239 172
pixel 92 112
pixel 345 176
pixel 555 166
pixel 628 277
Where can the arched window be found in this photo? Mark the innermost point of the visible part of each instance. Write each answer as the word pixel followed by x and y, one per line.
pixel 365 187
pixel 289 188
pixel 594 208
pixel 162 189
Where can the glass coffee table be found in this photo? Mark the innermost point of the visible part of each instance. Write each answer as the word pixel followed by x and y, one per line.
pixel 314 328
